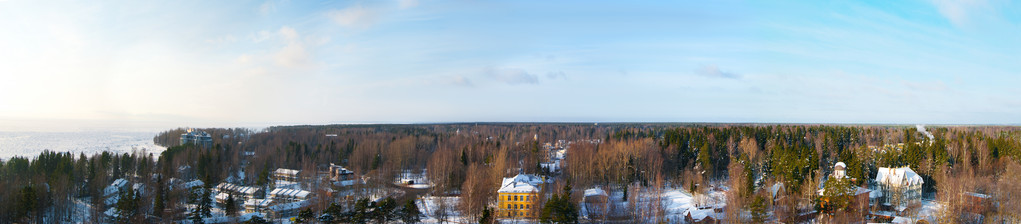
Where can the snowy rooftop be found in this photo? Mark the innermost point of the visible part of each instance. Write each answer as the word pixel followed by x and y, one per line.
pixel 903 176
pixel 195 183
pixel 115 187
pixel 595 192
pixel 236 188
pixel 979 195
pixel 288 193
pixel 522 183
pixel 288 206
pixel 283 171
pixel 258 202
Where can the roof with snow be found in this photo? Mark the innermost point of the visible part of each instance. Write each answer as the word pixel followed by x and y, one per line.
pixel 283 171
pixel 258 202
pixel 288 193
pixel 979 195
pixel 115 187
pixel 195 183
pixel 775 189
pixel 288 206
pixel 840 164
pixel 522 183
pixel 903 176
pixel 595 192
pixel 237 189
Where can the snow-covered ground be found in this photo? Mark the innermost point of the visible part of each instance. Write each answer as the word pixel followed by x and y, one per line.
pixel 432 206
pixel 30 144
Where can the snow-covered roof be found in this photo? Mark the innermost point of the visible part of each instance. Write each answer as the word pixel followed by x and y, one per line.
pixel 288 206
pixel 840 164
pixel 979 195
pixel 901 220
pixel 258 202
pixel 283 171
pixel 194 183
pixel 862 190
pixel 115 187
pixel 119 182
pixel 595 192
pixel 288 193
pixel 222 196
pixel 775 189
pixel 522 183
pixel 903 176
pixel 701 214
pixel 236 188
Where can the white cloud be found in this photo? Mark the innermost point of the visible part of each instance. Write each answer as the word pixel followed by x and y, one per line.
pixel 356 16
pixel 715 72
pixel 511 76
pixel 293 55
pixel 407 4
pixel 289 33
pixel 959 11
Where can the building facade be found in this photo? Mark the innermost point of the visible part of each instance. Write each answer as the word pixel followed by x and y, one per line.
pixel 519 197
pixel 199 138
pixel 900 187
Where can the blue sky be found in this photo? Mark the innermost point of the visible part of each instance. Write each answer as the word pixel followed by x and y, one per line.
pixel 213 63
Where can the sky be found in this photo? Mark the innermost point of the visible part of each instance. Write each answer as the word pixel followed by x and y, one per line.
pixel 243 63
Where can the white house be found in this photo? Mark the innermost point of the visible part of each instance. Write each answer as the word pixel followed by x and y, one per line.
pixel 900 187
pixel 115 187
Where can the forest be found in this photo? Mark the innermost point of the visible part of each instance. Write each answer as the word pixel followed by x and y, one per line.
pixel 469 160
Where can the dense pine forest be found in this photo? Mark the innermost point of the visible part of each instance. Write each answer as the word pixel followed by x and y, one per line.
pixel 469 161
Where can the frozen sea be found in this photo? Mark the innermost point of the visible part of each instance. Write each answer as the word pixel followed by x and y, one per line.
pixel 30 144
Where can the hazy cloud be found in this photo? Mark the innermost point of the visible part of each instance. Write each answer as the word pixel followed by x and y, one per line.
pixel 267 7
pixel 715 72
pixel 556 75
pixel 461 81
pixel 261 36
pixel 407 4
pixel 511 76
pixel 222 40
pixel 355 16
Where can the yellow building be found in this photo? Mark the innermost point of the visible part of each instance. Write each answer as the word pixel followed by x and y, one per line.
pixel 519 196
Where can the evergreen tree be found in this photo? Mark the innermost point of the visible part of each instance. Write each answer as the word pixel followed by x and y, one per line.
pixel 758 210
pixel 410 213
pixel 205 203
pixel 487 216
pixel 305 216
pixel 559 209
pixel 127 205
pixel 360 212
pixel 26 204
pixel 159 203
pixel 256 220
pixel 384 211
pixel 231 206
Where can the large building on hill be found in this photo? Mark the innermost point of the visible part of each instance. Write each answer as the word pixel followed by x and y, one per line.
pixel 900 187
pixel 196 137
pixel 519 196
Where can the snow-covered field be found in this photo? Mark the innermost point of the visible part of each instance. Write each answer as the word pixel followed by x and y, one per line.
pixel 30 144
